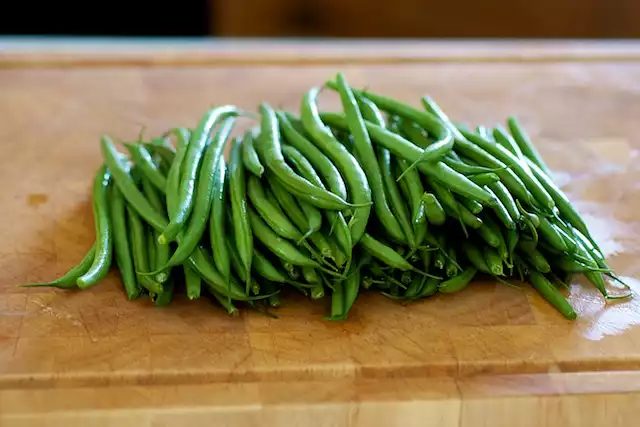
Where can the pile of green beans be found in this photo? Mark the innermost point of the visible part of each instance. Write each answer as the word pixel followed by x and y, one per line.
pixel 379 196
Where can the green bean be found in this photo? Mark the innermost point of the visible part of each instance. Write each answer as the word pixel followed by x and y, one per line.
pixel 266 269
pixel 306 170
pixel 459 282
pixel 351 288
pixel 483 131
pixel 505 206
pixel 366 156
pixel 149 169
pixel 571 265
pixel 473 206
pixel 475 257
pixel 534 256
pixel 493 260
pixel 191 165
pixel 129 189
pixel 103 228
pixel 426 257
pixel 405 149
pixel 551 294
pixel 217 235
pixel 319 161
pixel 464 168
pixel 276 244
pixel 413 191
pixel 68 280
pixel 426 120
pixel 486 178
pixel 271 214
pixel 274 300
pixel 242 227
pixel 292 270
pixel 165 298
pixel 174 175
pixel 429 288
pixel 551 235
pixel 502 137
pixel 512 241
pixel 349 167
pixel 417 282
pixel 432 150
pixel 488 235
pixel 481 156
pixel 395 198
pixel 384 253
pixel 162 148
pixel 526 147
pixel 250 157
pixel 451 265
pixel 457 210
pixel 568 239
pixel 520 169
pixel 270 154
pixel 310 275
pixel 566 209
pixel 202 206
pixel 158 254
pixel 337 302
pixel 317 292
pixel 140 254
pixel 339 227
pixel 433 209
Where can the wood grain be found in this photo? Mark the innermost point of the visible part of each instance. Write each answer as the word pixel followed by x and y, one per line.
pixel 481 357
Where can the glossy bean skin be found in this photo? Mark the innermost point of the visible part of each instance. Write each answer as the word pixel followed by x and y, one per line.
pixel 339 227
pixel 329 172
pixel 398 204
pixel 475 257
pixel 534 257
pixel 384 253
pixel 459 282
pixel 276 244
pixel 433 209
pixel 412 188
pixel 193 283
pixel 250 156
pixel 457 210
pixel 270 213
pixel 125 183
pixel 190 167
pixel 139 245
pixel 479 155
pixel 270 153
pixel 217 235
pixel 356 180
pixel 552 235
pixel 292 209
pixel 505 202
pixel 519 168
pixel 366 156
pixel 103 229
pixel 158 254
pixel 242 228
pixel 142 158
pixel 68 280
pixel 407 150
pixel 551 294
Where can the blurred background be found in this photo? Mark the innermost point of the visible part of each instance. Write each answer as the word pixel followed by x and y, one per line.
pixel 327 18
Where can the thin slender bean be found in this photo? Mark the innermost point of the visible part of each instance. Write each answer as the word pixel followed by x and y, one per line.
pixel 68 280
pixel 356 180
pixel 384 253
pixel 526 146
pixel 240 209
pixel 405 149
pixel 398 204
pixel 433 209
pixel 191 165
pixel 459 282
pixel 103 228
pixel 140 251
pixel 413 191
pixel 270 154
pixel 217 235
pixel 144 161
pixel 250 157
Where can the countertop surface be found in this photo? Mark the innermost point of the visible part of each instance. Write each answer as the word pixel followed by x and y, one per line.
pixel 480 357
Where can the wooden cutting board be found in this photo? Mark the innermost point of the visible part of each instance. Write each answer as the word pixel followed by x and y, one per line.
pixel 491 355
